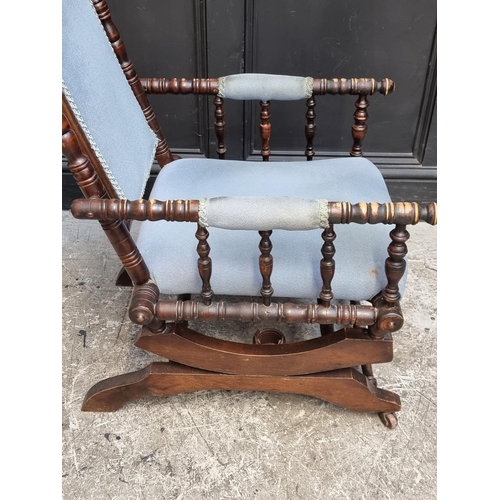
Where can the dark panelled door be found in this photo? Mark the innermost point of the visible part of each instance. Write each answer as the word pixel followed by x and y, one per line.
pixel 319 38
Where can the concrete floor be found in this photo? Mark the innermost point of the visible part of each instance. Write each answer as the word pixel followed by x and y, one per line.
pixel 237 445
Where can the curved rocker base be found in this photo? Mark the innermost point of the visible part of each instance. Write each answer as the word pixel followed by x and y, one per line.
pixel 341 349
pixel 347 388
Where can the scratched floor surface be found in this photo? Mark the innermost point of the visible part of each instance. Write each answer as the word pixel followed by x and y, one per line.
pixel 237 445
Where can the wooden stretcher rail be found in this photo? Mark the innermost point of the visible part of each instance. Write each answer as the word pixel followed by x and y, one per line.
pixel 189 310
pixel 340 212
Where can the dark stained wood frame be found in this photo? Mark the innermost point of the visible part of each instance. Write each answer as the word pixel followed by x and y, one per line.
pixel 325 367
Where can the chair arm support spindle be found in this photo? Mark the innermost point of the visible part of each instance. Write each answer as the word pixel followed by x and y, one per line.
pixel 204 264
pixel 220 127
pixel 266 266
pixel 359 127
pixel 327 266
pixel 310 128
pixel 265 130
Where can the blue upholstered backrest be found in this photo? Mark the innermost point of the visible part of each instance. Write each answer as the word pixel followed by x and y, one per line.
pixel 103 101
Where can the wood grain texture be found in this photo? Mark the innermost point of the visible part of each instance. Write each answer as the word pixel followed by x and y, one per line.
pixel 347 388
pixel 343 348
pixel 163 153
pixel 339 212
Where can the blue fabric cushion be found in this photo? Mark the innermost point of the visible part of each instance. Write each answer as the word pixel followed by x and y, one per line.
pixel 265 87
pixel 169 248
pixel 103 101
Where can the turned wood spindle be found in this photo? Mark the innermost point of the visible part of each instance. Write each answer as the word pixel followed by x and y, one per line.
pixel 116 231
pixel 266 266
pixel 327 266
pixel 395 264
pixel 201 86
pixel 353 86
pixel 79 165
pixel 204 264
pixel 265 130
pixel 163 153
pixel 359 128
pixel 310 128
pixel 126 249
pixel 193 310
pixel 220 127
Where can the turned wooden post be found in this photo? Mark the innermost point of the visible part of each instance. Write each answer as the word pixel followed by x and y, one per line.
pixel 390 318
pixel 85 149
pixel 310 128
pixel 163 153
pixel 142 306
pixel 327 266
pixel 265 130
pixel 359 128
pixel 79 165
pixel 204 265
pixel 266 266
pixel 395 265
pixel 220 127
pixel 91 186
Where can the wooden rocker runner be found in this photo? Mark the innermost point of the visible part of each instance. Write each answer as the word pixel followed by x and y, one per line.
pixel 325 232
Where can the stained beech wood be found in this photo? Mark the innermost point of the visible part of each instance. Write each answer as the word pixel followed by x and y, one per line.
pixel 320 367
pixel 347 388
pixel 395 265
pixel 265 130
pixel 116 230
pixel 204 86
pixel 287 312
pixel 343 348
pixel 204 265
pixel 121 209
pixel 310 128
pixel 220 127
pixel 321 86
pixel 266 266
pixel 327 266
pixel 353 86
pixel 163 153
pixel 91 177
pixel 360 127
pixel 339 212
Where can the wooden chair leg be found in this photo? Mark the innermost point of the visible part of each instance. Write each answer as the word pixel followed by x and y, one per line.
pixel 347 388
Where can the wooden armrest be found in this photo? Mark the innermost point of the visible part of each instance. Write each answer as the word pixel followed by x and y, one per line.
pixel 321 86
pixel 339 212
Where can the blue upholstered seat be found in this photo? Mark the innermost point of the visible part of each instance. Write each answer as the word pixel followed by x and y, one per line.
pixel 169 248
pixel 114 124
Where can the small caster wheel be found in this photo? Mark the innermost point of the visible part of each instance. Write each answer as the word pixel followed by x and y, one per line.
pixel 389 420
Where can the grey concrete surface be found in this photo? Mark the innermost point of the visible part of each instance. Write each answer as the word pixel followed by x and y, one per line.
pixel 237 445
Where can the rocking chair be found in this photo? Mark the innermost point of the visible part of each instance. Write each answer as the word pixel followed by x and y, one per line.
pixel 223 240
